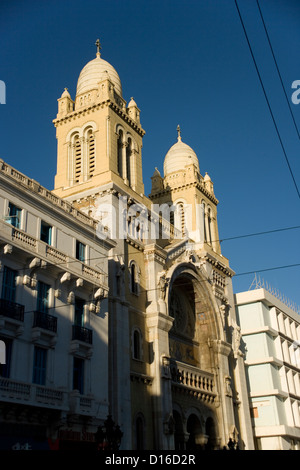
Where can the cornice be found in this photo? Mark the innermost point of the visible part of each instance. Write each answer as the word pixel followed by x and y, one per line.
pixel 194 184
pixel 95 107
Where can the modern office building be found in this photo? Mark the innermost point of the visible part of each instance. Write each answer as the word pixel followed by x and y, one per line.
pixel 270 332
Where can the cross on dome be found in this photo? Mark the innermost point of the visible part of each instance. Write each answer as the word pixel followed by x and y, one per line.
pixel 179 133
pixel 97 43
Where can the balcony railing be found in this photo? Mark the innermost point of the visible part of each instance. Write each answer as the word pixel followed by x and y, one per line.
pixel 82 334
pixel 14 391
pixel 12 310
pixel 45 321
pixel 192 378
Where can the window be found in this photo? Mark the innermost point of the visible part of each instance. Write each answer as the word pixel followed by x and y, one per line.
pixel 5 368
pixel 128 161
pixel 14 215
pixel 9 284
pixel 120 153
pixel 43 297
pixel 91 152
pixel 39 366
pixel 80 251
pixel 78 374
pixel 77 155
pixel 134 278
pixel 46 232
pixel 79 312
pixel 137 344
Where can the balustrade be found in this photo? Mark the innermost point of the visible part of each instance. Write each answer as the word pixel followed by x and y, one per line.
pixel 192 378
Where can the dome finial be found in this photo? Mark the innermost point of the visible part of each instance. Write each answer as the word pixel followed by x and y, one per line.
pixel 97 43
pixel 179 133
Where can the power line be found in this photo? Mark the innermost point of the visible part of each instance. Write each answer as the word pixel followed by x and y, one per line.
pixel 279 74
pixel 248 235
pixel 264 91
pixel 268 269
pixel 181 284
pixel 259 233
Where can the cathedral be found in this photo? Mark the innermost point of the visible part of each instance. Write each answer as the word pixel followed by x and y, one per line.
pixel 176 377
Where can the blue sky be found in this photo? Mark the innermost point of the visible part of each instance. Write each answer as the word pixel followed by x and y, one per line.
pixel 184 62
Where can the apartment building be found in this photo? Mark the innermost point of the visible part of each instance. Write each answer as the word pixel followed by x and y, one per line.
pixel 270 332
pixel 53 319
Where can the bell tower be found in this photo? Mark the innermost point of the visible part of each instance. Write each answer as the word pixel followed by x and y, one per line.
pixel 99 137
pixel 190 196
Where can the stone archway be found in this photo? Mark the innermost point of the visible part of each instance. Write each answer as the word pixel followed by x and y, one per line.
pixel 195 439
pixel 179 436
pixel 196 318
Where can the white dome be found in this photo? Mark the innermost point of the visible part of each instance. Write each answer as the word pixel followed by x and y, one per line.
pixel 179 155
pixel 95 71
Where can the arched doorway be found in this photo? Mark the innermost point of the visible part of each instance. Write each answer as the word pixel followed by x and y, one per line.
pixel 179 440
pixel 195 433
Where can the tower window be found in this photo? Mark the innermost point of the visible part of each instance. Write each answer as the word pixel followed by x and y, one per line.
pixel 134 278
pixel 137 344
pixel 120 153
pixel 91 153
pixel 77 144
pixel 128 161
pixel 180 218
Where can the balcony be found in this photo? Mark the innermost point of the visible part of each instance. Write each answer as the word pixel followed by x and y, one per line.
pixel 193 381
pixel 44 329
pixel 11 317
pixel 45 321
pixel 13 391
pixel 12 310
pixel 82 334
pixel 82 340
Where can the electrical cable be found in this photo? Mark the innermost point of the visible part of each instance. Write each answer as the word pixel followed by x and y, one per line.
pixel 277 68
pixel 145 291
pixel 264 91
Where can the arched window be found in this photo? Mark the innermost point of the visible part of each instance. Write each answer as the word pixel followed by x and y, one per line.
pixel 120 153
pixel 128 161
pixel 137 344
pixel 204 220
pixel 91 152
pixel 209 225
pixel 180 218
pixel 77 158
pixel 134 278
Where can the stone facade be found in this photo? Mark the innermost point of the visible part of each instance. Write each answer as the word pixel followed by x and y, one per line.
pixel 176 372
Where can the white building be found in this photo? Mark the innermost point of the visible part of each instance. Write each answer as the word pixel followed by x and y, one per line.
pixel 271 339
pixel 53 318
